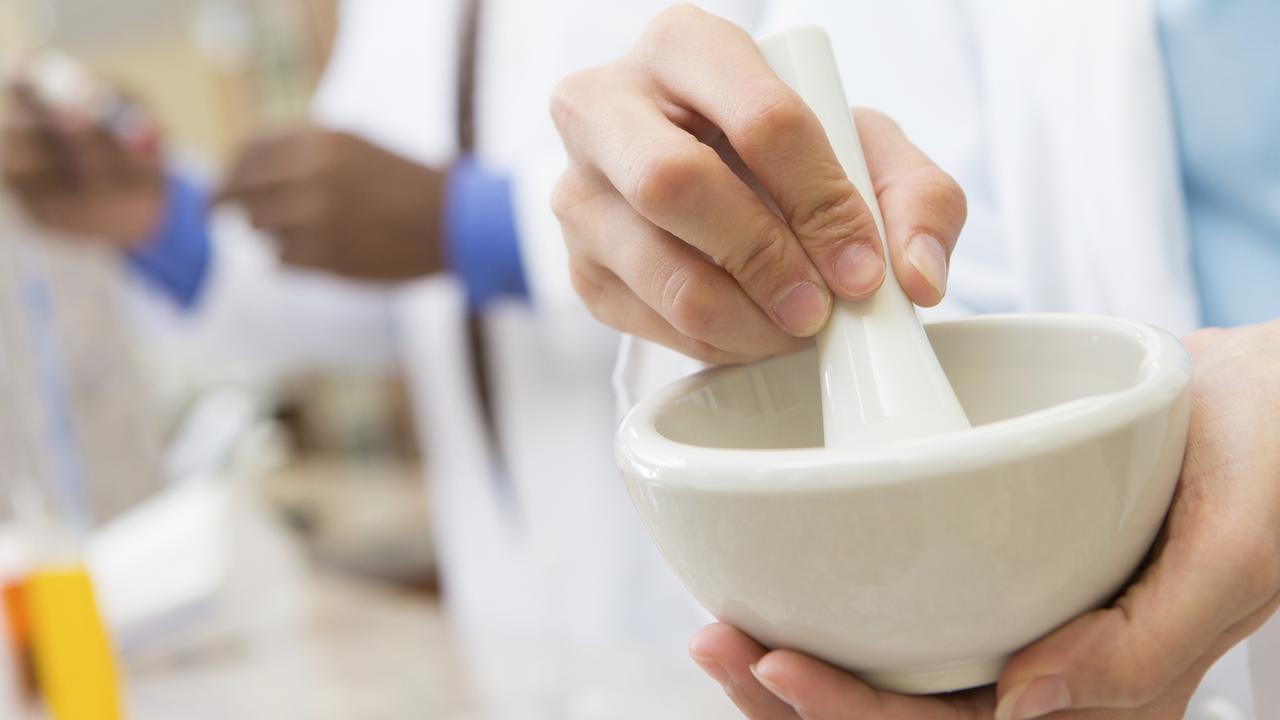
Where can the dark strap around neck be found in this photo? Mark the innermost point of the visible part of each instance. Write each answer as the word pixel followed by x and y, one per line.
pixel 468 49
pixel 468 52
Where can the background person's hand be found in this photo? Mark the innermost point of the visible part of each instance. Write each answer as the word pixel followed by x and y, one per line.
pixel 71 174
pixel 667 239
pixel 1214 579
pixel 338 203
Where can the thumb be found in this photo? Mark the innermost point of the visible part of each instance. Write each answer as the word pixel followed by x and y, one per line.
pixel 1129 654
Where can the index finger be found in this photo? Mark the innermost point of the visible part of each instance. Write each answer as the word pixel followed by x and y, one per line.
pixel 778 138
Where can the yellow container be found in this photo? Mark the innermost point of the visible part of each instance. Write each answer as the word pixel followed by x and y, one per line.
pixel 75 665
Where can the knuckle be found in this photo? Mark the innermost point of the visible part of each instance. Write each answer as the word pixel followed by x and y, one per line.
pixel 760 262
pixel 597 290
pixel 663 179
pixel 571 96
pixel 675 28
pixel 774 112
pixel 835 216
pixel 586 283
pixel 563 102
pixel 688 302
pixel 669 23
pixel 568 196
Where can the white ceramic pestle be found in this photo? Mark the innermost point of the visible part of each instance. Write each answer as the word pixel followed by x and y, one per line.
pixel 880 378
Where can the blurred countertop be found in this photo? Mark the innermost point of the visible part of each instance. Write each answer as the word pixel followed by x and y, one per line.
pixel 365 651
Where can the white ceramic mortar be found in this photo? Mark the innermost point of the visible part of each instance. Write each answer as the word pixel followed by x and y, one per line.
pixel 923 564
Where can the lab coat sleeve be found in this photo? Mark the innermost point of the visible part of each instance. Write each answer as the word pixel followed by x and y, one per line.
pixel 255 311
pixel 175 259
pixel 480 234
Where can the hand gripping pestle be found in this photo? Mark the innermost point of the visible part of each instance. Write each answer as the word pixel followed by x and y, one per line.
pixel 880 379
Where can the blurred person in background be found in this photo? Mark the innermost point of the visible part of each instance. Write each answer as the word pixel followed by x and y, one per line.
pixel 412 226
pixel 1068 126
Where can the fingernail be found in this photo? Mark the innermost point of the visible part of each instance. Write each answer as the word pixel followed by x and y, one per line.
pixel 859 270
pixel 769 685
pixel 715 670
pixel 1034 699
pixel 929 258
pixel 802 310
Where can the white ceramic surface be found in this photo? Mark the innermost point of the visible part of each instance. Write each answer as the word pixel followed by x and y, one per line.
pixel 924 564
pixel 874 350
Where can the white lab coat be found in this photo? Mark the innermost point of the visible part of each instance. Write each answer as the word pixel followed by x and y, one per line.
pixel 560 604
pixel 1055 118
pixel 600 622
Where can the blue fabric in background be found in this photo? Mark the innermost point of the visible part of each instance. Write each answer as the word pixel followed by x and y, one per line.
pixel 1223 61
pixel 480 232
pixel 176 259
